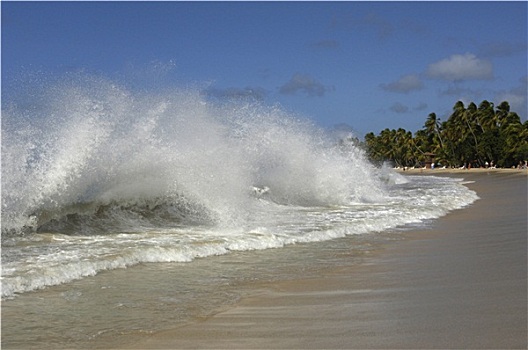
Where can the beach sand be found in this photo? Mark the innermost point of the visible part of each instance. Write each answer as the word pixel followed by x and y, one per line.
pixel 460 284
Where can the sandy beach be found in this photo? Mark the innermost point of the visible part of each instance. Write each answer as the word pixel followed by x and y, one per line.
pixel 457 172
pixel 460 284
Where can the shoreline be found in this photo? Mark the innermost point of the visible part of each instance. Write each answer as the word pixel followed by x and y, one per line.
pixel 457 171
pixel 459 284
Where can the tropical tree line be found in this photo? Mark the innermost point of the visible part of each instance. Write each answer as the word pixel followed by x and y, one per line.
pixel 471 136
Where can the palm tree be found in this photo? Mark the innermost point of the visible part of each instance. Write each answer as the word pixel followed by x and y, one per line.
pixel 511 131
pixel 457 133
pixel 472 133
pixel 489 139
pixel 502 112
pixel 432 128
pixel 486 116
pixel 471 119
pixel 387 141
pixel 373 146
pixel 421 144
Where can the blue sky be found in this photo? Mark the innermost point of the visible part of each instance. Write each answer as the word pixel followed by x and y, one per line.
pixel 371 65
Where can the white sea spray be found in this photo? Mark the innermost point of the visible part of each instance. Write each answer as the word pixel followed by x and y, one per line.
pixel 96 176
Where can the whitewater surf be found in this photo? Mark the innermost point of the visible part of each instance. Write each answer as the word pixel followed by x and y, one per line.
pixel 97 176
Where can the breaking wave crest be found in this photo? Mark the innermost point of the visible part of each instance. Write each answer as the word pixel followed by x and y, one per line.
pixel 87 155
pixel 96 176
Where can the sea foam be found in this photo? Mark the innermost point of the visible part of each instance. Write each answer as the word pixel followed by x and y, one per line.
pixel 97 176
pixel 89 144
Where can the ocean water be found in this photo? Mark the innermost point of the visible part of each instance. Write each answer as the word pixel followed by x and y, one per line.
pixel 125 210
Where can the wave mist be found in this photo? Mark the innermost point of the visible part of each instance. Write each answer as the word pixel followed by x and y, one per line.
pixel 86 155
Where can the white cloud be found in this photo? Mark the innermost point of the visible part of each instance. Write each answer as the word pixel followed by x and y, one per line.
pixel 405 84
pixel 461 67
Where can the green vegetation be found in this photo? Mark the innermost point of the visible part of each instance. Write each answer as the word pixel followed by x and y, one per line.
pixel 470 136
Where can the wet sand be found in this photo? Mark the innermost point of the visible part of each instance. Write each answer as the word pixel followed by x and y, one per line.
pixel 457 172
pixel 461 284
